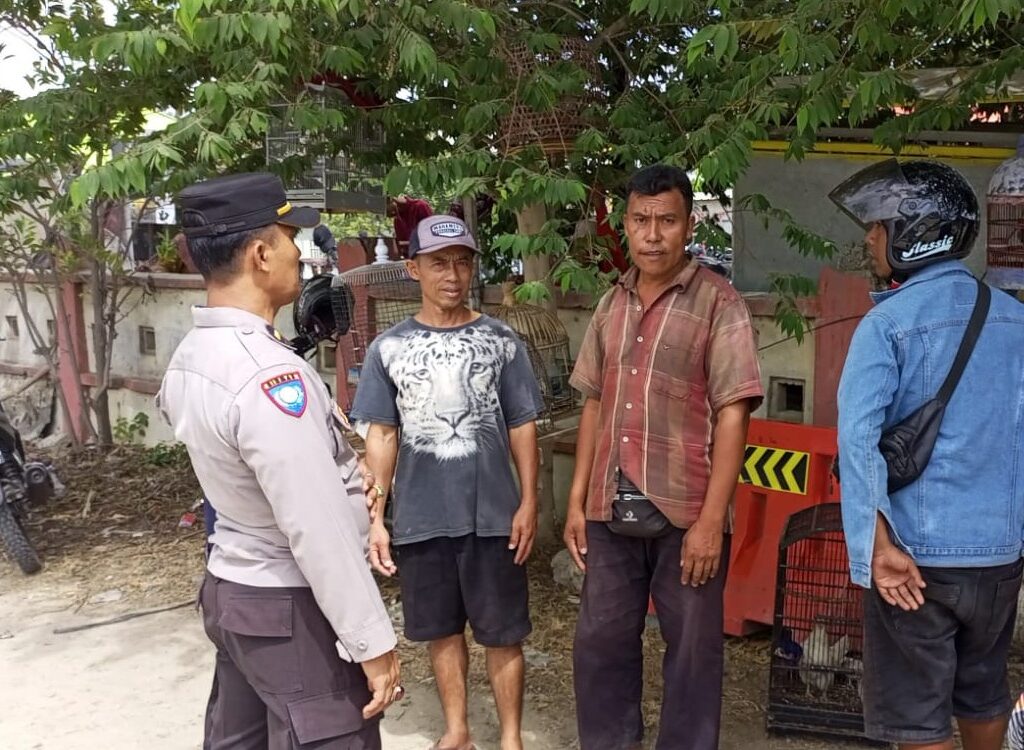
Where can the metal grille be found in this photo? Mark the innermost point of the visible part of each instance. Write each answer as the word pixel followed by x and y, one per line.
pixel 817 638
pixel 335 182
pixel 1006 231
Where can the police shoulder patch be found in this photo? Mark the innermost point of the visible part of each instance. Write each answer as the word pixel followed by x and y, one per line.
pixel 288 393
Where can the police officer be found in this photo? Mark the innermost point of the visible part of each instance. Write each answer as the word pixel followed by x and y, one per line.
pixel 305 646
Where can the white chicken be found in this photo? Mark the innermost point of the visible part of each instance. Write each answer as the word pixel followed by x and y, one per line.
pixel 820 660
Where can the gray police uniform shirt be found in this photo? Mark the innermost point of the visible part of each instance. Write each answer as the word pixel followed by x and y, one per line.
pixel 454 393
pixel 264 437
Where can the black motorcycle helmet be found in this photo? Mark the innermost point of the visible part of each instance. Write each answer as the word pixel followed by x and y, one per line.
pixel 928 209
pixel 322 311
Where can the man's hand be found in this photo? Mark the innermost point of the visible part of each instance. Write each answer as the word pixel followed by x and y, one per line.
pixel 382 677
pixel 380 550
pixel 575 536
pixel 524 530
pixel 701 553
pixel 898 580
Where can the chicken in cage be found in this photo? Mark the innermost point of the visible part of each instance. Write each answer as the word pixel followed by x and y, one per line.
pixel 817 639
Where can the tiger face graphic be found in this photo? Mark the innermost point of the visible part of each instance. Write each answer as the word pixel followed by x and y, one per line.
pixel 448 384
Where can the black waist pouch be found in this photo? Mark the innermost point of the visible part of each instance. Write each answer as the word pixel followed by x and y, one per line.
pixel 633 513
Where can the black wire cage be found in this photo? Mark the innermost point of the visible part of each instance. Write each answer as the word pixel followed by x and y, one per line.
pixel 817 640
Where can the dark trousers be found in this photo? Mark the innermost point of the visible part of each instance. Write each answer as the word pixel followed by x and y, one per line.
pixel 622 573
pixel 279 683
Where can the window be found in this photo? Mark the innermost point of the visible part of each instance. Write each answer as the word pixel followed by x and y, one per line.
pixel 786 400
pixel 51 329
pixel 147 340
pixel 327 356
pixel 12 327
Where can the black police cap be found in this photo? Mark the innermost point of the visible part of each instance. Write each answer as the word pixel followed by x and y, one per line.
pixel 240 202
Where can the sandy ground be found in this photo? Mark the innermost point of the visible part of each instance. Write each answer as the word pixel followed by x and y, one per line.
pixel 114 545
pixel 142 683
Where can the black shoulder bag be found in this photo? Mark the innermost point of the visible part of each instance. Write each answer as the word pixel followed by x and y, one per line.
pixel 908 446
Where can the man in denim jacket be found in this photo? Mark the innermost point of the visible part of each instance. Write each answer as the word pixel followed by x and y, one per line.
pixel 942 556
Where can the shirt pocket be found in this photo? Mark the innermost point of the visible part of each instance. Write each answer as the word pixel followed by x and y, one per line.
pixel 677 363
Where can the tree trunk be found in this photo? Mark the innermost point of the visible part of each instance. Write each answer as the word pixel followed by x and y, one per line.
pixel 476 292
pixel 530 220
pixel 81 430
pixel 100 400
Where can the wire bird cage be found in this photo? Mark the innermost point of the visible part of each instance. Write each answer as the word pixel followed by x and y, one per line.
pixel 547 344
pixel 554 129
pixel 330 183
pixel 375 297
pixel 1006 223
pixel 817 639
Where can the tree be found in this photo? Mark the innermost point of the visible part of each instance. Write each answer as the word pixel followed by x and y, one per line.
pixel 692 83
pixel 55 146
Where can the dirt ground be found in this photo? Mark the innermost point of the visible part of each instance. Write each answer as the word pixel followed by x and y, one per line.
pixel 113 546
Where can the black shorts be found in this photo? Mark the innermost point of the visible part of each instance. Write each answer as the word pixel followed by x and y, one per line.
pixel 446 581
pixel 944 660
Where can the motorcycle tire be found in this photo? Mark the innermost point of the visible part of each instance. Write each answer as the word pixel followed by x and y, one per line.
pixel 16 543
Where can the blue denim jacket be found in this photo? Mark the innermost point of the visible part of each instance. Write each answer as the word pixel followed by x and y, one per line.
pixel 967 508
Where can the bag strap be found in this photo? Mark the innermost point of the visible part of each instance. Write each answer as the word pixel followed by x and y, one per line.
pixel 970 338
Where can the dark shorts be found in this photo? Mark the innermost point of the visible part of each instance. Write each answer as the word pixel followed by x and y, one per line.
pixel 447 581
pixel 945 660
pixel 279 683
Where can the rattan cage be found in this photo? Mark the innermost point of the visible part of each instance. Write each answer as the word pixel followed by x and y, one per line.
pixel 547 343
pixel 553 130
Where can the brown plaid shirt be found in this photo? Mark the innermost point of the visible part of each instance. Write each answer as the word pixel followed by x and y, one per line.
pixel 660 375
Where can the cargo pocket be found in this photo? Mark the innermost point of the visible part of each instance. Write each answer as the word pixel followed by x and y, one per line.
pixel 324 717
pixel 260 629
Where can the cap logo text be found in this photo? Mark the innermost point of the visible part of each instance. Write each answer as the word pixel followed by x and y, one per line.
pixel 448 229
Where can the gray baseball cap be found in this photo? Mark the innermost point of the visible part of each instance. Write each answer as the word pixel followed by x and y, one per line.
pixel 438 232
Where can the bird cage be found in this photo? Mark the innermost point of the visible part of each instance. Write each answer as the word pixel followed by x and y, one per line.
pixel 554 129
pixel 1006 223
pixel 376 297
pixel 547 344
pixel 817 640
pixel 330 182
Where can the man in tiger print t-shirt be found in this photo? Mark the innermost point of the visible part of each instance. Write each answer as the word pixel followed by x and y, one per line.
pixel 449 395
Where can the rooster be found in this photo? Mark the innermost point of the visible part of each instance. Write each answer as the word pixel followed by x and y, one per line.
pixel 820 660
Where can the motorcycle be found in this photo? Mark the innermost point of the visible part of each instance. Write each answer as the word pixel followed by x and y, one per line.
pixel 23 484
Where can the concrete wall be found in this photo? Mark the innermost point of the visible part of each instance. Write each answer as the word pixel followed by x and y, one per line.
pixel 802 188
pixel 19 348
pixel 165 304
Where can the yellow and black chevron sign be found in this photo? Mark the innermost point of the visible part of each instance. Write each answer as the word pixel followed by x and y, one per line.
pixel 775 469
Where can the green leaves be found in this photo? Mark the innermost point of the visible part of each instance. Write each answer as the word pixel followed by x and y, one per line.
pixel 397 179
pixel 724 38
pixel 789 289
pixel 979 13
